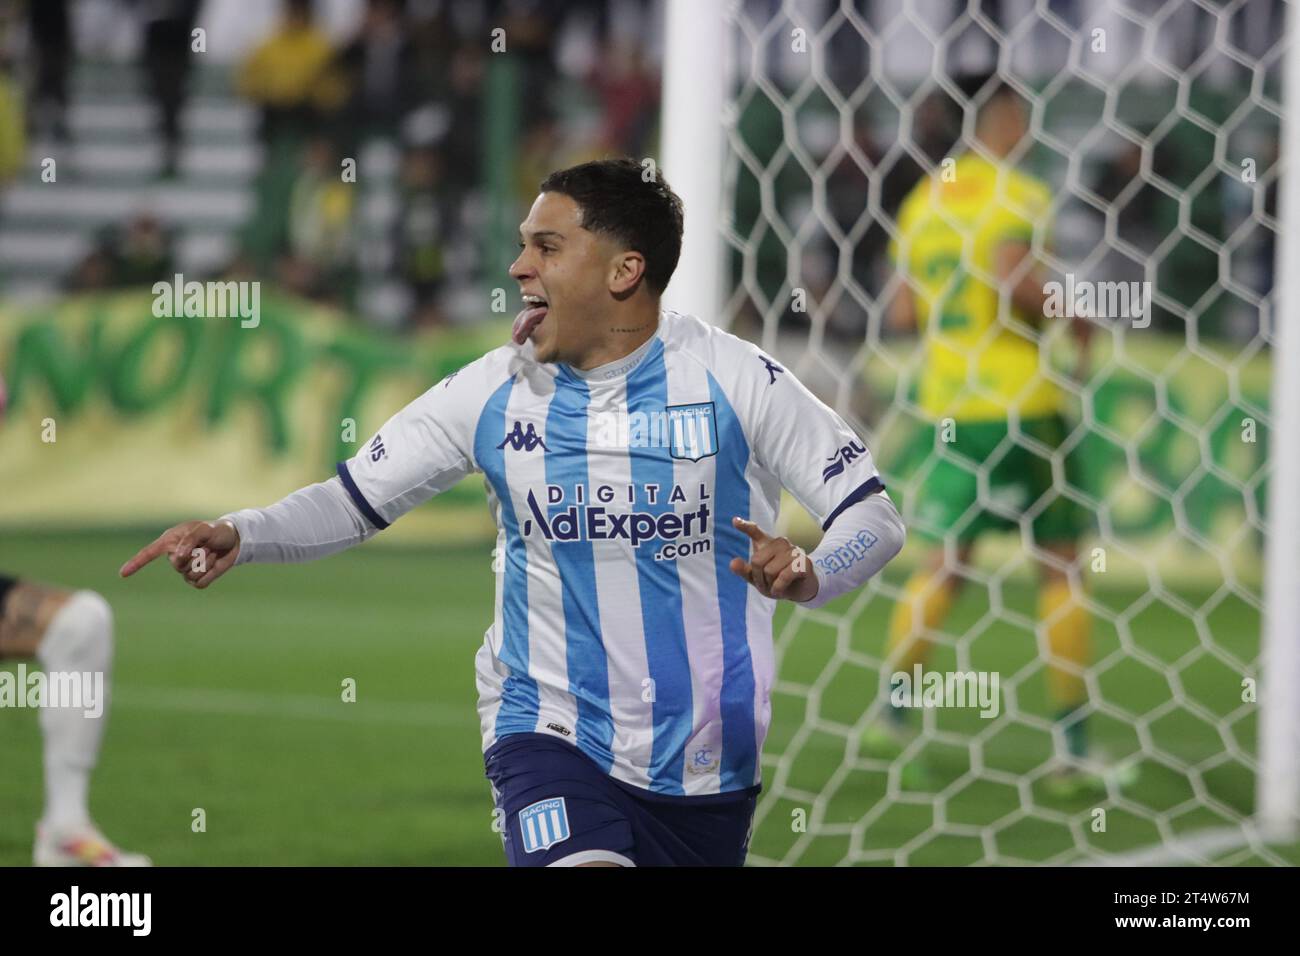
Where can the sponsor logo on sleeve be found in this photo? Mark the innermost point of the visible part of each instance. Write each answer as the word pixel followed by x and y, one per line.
pixel 842 459
pixel 847 554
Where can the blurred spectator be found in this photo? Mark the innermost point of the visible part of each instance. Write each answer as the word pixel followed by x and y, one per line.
pixel 629 95
pixel 138 253
pixel 289 74
pixel 52 46
pixel 541 151
pixel 530 27
pixel 467 70
pixel 318 260
pixel 167 47
pixel 13 135
pixel 378 70
pixel 422 232
pixel 449 69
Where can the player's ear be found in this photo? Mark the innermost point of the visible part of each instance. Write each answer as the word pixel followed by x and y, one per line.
pixel 626 270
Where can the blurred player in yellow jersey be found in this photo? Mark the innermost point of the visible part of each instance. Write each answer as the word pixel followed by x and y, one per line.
pixel 966 250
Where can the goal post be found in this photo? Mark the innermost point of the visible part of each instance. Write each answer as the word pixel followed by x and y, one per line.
pixel 691 137
pixel 1279 772
pixel 793 129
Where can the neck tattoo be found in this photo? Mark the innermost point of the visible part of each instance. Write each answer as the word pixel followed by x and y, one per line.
pixel 644 325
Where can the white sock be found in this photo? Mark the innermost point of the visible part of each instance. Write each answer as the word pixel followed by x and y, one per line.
pixel 79 639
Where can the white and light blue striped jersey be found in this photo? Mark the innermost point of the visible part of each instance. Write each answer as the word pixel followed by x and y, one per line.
pixel 619 625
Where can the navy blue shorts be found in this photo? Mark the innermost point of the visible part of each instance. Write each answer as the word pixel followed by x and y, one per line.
pixel 559 807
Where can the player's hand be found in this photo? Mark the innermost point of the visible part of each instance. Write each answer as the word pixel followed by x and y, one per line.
pixel 776 567
pixel 200 551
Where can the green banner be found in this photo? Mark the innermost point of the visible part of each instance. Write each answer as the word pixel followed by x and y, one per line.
pixel 117 416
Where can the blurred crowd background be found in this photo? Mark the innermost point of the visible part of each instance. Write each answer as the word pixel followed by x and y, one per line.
pixel 228 160
pixel 364 153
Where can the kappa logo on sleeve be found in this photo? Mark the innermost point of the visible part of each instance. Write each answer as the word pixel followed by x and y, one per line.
pixel 842 459
pixel 847 554
pixel 772 369
pixel 544 824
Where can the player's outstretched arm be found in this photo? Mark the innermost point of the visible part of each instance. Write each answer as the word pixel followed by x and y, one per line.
pixel 422 450
pixel 200 551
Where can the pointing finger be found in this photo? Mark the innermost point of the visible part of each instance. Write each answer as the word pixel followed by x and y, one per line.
pixel 143 557
pixel 755 533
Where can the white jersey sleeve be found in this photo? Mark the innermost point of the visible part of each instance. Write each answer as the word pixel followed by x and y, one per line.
pixel 801 441
pixel 425 448
pixel 865 537
pixel 311 523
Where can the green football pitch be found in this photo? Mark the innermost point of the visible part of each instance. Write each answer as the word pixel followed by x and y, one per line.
pixel 230 701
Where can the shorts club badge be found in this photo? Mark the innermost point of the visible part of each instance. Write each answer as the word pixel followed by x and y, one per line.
pixel 544 824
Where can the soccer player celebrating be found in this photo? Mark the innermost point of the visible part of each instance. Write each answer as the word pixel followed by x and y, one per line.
pixel 67 632
pixel 965 246
pixel 634 460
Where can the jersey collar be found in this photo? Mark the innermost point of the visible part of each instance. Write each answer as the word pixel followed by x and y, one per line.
pixel 616 370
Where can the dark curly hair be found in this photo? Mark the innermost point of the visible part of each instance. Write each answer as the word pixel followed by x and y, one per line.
pixel 632 203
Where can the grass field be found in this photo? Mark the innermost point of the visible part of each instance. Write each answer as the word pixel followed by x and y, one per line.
pixel 230 700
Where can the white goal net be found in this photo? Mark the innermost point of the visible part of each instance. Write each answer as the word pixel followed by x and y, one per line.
pixel 1156 128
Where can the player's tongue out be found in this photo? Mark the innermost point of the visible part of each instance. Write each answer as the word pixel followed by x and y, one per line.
pixel 535 310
